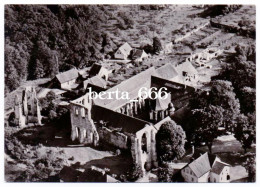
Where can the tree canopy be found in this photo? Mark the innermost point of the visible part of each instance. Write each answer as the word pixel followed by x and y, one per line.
pixel 170 141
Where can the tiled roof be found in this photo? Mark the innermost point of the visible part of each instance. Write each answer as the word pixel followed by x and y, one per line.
pixel 125 48
pixel 131 85
pixel 96 80
pixel 218 167
pixel 162 104
pixel 117 120
pixel 137 53
pixel 94 70
pixel 201 165
pixel 186 67
pixel 167 71
pixel 67 75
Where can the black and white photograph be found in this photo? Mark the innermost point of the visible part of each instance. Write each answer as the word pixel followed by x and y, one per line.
pixel 129 93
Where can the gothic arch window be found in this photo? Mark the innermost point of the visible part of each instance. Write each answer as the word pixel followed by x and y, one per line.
pixel 144 143
pixel 76 111
pixel 82 112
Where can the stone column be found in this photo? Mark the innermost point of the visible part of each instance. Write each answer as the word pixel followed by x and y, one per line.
pixel 153 146
pixel 135 108
pixel 73 133
pixel 81 135
pixel 139 154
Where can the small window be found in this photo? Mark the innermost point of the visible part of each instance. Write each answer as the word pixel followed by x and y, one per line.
pixel 77 112
pixel 184 73
pixel 192 179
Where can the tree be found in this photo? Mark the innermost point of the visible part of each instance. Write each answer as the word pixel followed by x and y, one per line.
pixel 250 165
pixel 207 122
pixel 53 35
pixel 222 94
pixel 244 132
pixel 38 70
pixel 11 77
pixel 134 173
pixel 165 174
pixel 48 105
pixel 170 140
pixel 157 46
pixel 148 48
pixel 248 100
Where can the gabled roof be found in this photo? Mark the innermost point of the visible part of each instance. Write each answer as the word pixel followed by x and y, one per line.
pixel 96 80
pixel 67 75
pixel 131 85
pixel 218 167
pixel 201 165
pixel 137 53
pixel 167 71
pixel 186 67
pixel 162 104
pixel 125 48
pixel 94 70
pixel 117 120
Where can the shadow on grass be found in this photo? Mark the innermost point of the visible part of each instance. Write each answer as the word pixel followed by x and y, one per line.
pixel 118 165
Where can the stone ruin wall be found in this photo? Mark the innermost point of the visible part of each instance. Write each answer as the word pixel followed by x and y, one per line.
pixel 112 137
pixel 82 126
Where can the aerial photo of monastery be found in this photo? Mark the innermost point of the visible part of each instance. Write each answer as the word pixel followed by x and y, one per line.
pixel 130 93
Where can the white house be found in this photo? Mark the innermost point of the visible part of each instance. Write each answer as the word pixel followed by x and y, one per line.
pixel 184 73
pixel 168 48
pixel 206 168
pixel 67 79
pixel 187 74
pixel 123 51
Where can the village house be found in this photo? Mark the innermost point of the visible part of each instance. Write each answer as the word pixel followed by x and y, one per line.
pixel 123 52
pixel 67 79
pixel 206 167
pixel 168 48
pixel 95 81
pixel 97 69
pixel 184 73
pixel 187 74
pixel 139 55
pixel 204 56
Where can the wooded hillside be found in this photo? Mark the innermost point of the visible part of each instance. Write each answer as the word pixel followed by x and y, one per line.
pixel 42 40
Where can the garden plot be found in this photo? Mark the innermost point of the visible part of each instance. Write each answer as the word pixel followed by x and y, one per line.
pixel 155 22
pixel 245 16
